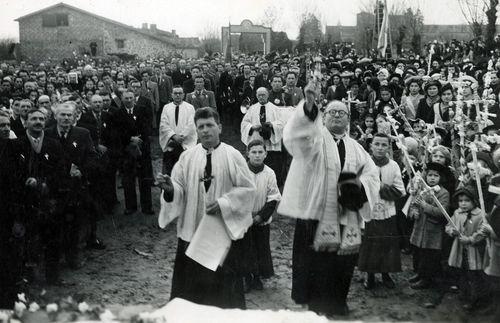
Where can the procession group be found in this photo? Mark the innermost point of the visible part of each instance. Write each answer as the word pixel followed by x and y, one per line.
pixel 372 157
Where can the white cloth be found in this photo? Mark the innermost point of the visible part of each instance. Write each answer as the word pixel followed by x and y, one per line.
pixel 232 187
pixel 252 118
pixel 390 174
pixel 185 125
pixel 179 310
pixel 310 190
pixel 267 189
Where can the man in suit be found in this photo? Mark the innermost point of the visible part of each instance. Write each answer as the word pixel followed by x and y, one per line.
pixel 181 75
pixel 149 89
pixel 79 166
pixel 277 94
pixel 19 124
pixel 39 161
pixel 99 124
pixel 264 78
pixel 134 123
pixel 10 258
pixel 188 85
pixel 177 129
pixel 165 86
pixel 225 93
pixel 200 97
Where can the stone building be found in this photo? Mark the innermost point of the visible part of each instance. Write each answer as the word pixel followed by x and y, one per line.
pixel 61 31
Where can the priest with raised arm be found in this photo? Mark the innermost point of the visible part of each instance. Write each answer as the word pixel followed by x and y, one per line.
pixel 211 193
pixel 330 189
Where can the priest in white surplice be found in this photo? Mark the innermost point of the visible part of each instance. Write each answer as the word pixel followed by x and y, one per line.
pixel 262 121
pixel 330 187
pixel 211 192
pixel 177 130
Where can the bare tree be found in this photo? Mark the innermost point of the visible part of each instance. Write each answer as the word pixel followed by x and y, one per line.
pixel 491 16
pixel 211 38
pixel 474 13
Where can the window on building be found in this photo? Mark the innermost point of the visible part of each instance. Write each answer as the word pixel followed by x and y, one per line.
pixel 120 43
pixel 55 20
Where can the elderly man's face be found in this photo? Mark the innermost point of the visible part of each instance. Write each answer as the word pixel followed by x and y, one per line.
pixel 96 103
pixel 44 102
pixel 65 116
pixel 262 96
pixel 336 118
pixel 24 107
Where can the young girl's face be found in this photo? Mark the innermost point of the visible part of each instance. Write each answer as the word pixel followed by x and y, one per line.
pixel 369 122
pixel 446 96
pixel 256 155
pixel 432 177
pixel 438 157
pixel 414 88
pixel 465 203
pixel 432 91
pixel 385 95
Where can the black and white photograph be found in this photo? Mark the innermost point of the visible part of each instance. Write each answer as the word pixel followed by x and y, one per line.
pixel 237 161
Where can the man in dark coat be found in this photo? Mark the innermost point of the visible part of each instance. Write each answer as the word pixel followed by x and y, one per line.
pixel 9 185
pixel 200 97
pixel 79 165
pixel 39 160
pixel 99 124
pixel 181 75
pixel 134 122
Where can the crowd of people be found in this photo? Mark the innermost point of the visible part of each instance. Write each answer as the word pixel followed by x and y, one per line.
pixel 373 157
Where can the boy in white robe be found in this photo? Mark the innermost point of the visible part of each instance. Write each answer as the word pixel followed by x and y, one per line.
pixel 257 249
pixel 210 185
pixel 327 233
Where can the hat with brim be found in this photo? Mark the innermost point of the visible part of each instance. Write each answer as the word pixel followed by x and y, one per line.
pixel 436 167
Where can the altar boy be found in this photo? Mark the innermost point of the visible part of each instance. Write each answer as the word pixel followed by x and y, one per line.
pixel 257 249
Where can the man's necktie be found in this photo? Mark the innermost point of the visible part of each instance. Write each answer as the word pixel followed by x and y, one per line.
pixel 262 115
pixel 341 149
pixel 208 172
pixel 176 114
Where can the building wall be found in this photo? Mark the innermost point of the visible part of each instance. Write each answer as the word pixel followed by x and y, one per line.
pixel 38 43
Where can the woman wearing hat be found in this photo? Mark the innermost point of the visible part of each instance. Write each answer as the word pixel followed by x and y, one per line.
pixel 442 108
pixel 425 109
pixel 412 97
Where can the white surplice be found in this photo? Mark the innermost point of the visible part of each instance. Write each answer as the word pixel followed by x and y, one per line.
pixel 185 125
pixel 310 190
pixel 252 118
pixel 267 189
pixel 232 187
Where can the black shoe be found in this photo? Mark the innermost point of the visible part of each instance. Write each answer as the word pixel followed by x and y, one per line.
pixel 96 244
pixel 130 211
pixel 415 278
pixel 388 282
pixel 369 281
pixel 257 283
pixel 148 212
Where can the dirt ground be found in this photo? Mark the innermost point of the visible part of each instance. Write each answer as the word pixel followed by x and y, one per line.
pixel 136 269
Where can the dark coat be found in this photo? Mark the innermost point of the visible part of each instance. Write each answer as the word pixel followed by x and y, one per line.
pixel 260 82
pixel 178 78
pixel 17 126
pixel 100 132
pixel 137 125
pixel 339 93
pixel 78 149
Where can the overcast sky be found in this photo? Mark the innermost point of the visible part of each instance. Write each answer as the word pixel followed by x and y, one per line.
pixel 194 17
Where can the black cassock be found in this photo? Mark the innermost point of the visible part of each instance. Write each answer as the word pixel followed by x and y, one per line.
pixel 195 283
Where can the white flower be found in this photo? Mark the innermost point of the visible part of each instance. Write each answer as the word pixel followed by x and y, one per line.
pixel 22 297
pixel 83 307
pixel 19 308
pixel 51 308
pixel 34 307
pixel 74 144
